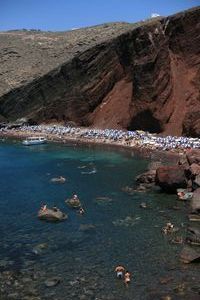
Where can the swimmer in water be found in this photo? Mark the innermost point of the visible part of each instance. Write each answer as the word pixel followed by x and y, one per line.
pixel 127 278
pixel 81 211
pixel 120 271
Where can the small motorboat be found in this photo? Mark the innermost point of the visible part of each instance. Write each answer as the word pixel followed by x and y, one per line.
pixel 34 141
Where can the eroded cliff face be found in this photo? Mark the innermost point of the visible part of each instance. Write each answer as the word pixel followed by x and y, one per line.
pixel 131 76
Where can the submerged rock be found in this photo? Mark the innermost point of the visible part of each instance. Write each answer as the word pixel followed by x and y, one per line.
pixel 180 289
pixel 52 215
pixel 189 254
pixel 52 281
pixel 127 222
pixel 127 189
pixel 165 280
pixel 87 228
pixel 193 236
pixel 73 203
pixel 103 200
pixel 143 205
pixel 177 240
pixel 194 217
pixel 147 177
pixel 59 179
pixel 38 249
pixel 166 298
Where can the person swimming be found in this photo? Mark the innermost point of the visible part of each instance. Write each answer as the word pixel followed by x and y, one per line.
pixel 81 211
pixel 54 208
pixel 127 278
pixel 75 197
pixel 120 271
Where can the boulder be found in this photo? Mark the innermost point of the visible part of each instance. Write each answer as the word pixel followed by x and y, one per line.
pixel 170 178
pixel 154 165
pixel 73 203
pixel 194 217
pixel 193 156
pixel 52 215
pixel 196 182
pixel 195 202
pixel 147 177
pixel 189 254
pixel 183 161
pixel 193 236
pixel 194 169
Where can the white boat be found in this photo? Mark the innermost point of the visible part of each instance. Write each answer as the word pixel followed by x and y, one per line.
pixel 34 141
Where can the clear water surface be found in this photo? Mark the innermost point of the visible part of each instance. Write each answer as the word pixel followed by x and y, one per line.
pixel 84 257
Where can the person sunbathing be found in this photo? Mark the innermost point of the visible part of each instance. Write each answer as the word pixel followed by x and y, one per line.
pixel 44 207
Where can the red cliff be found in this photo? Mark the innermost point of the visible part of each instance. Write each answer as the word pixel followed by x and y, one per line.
pixel 131 76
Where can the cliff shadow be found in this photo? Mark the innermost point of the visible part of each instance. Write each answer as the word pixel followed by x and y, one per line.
pixel 145 121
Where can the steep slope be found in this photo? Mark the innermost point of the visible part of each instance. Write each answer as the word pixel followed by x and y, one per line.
pixel 118 75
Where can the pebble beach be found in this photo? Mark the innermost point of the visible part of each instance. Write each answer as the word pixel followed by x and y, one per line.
pixel 129 139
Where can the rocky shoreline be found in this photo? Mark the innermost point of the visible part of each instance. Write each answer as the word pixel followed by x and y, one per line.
pixel 183 179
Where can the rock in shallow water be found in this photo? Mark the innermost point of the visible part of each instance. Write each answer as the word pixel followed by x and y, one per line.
pixel 52 215
pixel 127 222
pixel 195 202
pixel 193 236
pixel 52 281
pixel 189 254
pixel 170 178
pixel 38 249
pixel 143 205
pixel 87 228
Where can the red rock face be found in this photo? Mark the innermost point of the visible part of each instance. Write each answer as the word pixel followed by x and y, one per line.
pixel 146 77
pixel 167 90
pixel 170 178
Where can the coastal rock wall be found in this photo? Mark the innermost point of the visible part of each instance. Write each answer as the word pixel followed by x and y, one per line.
pixel 131 76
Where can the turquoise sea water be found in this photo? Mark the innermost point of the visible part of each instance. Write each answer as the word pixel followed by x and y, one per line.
pixel 84 257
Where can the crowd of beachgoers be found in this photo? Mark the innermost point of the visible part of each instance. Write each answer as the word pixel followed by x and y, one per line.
pixel 110 136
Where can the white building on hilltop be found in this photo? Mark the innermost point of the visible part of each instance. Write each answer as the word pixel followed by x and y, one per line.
pixel 155 15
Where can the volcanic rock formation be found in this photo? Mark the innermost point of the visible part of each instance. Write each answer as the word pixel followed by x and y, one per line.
pixel 117 75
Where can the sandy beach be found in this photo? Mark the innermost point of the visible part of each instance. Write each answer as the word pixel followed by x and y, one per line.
pixel 79 137
pixel 141 142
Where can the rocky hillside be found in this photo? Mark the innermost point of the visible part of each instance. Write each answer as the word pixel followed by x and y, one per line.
pixel 117 75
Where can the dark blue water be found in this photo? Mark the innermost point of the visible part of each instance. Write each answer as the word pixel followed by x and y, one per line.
pixel 84 258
